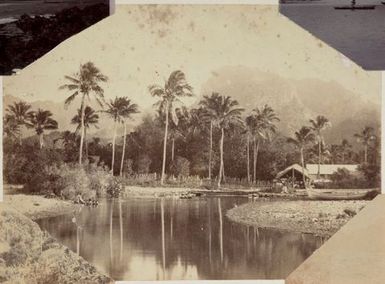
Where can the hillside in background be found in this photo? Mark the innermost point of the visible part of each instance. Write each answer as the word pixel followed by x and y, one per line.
pixel 295 102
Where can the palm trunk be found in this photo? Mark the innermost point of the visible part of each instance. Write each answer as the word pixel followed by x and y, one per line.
pixel 319 159
pixel 221 157
pixel 81 130
pixel 85 143
pixel 366 154
pixel 211 148
pixel 256 149
pixel 164 147
pixel 124 150
pixel 41 140
pixel 248 158
pixel 303 168
pixel 113 149
pixel 172 149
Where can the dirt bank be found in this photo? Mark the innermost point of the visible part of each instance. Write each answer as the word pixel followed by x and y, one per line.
pixel 36 206
pixel 322 218
pixel 28 255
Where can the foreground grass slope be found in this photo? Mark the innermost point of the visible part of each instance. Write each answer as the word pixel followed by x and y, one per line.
pixel 28 255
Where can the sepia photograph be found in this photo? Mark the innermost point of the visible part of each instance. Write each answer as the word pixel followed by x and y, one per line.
pixel 184 142
pixel 31 28
pixel 356 28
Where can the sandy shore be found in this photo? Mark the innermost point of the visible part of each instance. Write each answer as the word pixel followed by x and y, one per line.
pixel 322 218
pixel 37 206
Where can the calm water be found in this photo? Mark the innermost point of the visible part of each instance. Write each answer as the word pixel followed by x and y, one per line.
pixel 154 239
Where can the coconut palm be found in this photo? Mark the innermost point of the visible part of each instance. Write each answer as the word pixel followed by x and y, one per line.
pixel 302 138
pixel 365 138
pixel 209 104
pixel 11 128
pixel 119 110
pixel 41 120
pixel 249 122
pixel 91 118
pixel 83 84
pixel 318 125
pixel 128 109
pixel 21 113
pixel 262 126
pixel 346 148
pixel 176 86
pixel 224 113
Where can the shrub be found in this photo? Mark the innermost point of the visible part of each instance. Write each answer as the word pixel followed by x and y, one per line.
pixel 99 179
pixel 115 187
pixel 181 167
pixel 71 181
pixel 143 164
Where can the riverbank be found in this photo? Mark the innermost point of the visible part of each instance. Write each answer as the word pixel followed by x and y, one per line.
pixel 29 255
pixel 322 218
pixel 37 206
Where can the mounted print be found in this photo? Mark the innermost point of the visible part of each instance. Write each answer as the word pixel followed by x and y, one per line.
pixel 184 142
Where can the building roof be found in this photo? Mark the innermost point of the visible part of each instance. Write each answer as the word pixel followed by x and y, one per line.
pixel 329 169
pixel 294 167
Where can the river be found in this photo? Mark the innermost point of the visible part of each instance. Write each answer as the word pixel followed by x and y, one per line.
pixel 174 239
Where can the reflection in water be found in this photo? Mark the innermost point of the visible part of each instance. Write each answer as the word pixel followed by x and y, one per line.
pixel 155 239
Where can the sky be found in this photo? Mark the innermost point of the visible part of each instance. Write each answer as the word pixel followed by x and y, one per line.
pixel 142 45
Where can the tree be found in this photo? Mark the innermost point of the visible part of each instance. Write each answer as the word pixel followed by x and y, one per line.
pixel 90 118
pixel 119 110
pixel 84 84
pixel 128 109
pixel 176 86
pixel 318 125
pixel 20 113
pixel 302 138
pixel 11 128
pixel 346 149
pixel 224 113
pixel 41 120
pixel 209 104
pixel 365 138
pixel 262 125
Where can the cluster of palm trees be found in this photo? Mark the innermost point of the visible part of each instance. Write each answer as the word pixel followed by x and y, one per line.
pixel 214 112
pixel 219 112
pixel 21 115
pixel 86 85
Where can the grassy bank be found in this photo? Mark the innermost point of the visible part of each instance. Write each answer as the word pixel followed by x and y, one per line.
pixel 29 255
pixel 322 218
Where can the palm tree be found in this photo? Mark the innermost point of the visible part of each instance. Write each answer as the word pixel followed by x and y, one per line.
pixel 84 84
pixel 345 148
pixel 128 109
pixel 303 137
pixel 176 86
pixel 11 128
pixel 41 120
pixel 90 118
pixel 119 110
pixel 21 113
pixel 249 122
pixel 262 126
pixel 224 113
pixel 318 125
pixel 208 105
pixel 365 138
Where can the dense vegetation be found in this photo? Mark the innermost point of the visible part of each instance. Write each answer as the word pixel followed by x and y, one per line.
pixel 215 140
